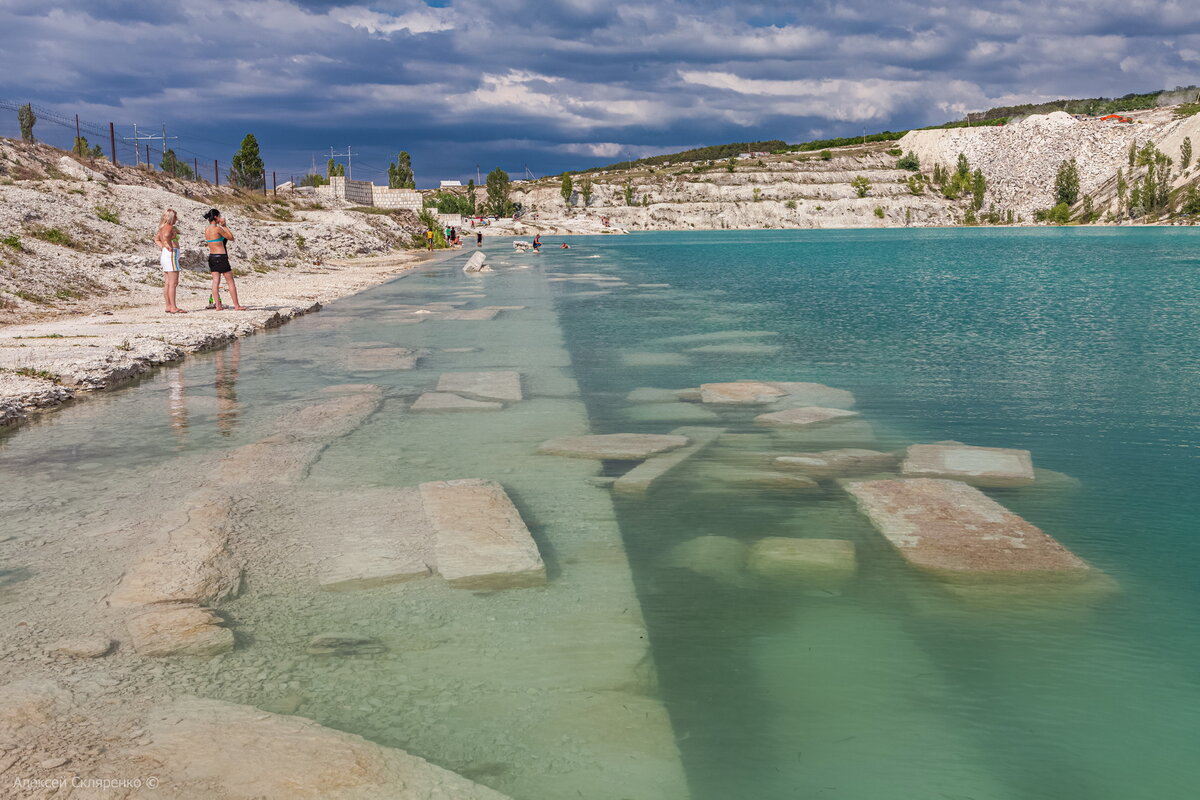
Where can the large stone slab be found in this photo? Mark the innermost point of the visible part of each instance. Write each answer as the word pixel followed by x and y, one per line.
pixel 989 467
pixel 813 394
pixel 381 359
pixel 838 463
pixel 189 563
pixel 210 748
pixel 179 630
pixel 448 401
pixel 670 412
pixel 804 417
pixel 504 387
pixel 481 540
pixel 740 393
pixel 369 537
pixel 641 478
pixel 958 534
pixel 824 562
pixel 612 446
pixel 285 456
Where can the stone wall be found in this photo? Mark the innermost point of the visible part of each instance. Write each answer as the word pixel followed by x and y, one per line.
pixel 363 193
pixel 357 192
pixel 397 198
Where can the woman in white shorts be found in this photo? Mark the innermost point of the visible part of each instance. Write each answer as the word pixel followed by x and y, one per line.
pixel 167 240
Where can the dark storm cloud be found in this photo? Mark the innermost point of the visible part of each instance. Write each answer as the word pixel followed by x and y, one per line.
pixel 573 82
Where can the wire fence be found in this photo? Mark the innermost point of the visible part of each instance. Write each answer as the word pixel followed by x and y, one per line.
pixel 184 156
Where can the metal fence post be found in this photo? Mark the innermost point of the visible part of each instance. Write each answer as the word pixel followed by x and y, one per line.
pixel 112 142
pixel 274 184
pixel 216 174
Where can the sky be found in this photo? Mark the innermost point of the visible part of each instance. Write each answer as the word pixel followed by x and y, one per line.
pixel 566 84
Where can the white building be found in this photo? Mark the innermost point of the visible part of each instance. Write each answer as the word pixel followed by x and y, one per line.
pixel 451 184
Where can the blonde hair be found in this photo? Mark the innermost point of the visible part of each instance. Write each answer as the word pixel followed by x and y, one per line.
pixel 169 217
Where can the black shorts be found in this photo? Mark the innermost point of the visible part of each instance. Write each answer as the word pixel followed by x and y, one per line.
pixel 219 262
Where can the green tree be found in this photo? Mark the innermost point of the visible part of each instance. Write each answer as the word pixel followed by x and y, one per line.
pixel 731 164
pixel 909 161
pixel 471 196
pixel 826 155
pixel 1191 201
pixel 861 184
pixel 978 189
pixel 1133 149
pixel 170 163
pixel 1185 153
pixel 400 174
pixel 246 168
pixel 567 189
pixel 333 169
pixel 313 179
pixel 27 119
pixel 498 186
pixel 963 169
pixel 82 149
pixel 1122 188
pixel 916 185
pixel 1066 183
pixel 627 193
pixel 585 190
pixel 1089 209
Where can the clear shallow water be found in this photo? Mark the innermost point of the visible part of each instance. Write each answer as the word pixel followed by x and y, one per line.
pixel 1078 345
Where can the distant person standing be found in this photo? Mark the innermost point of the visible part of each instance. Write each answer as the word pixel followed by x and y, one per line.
pixel 479 238
pixel 167 239
pixel 429 239
pixel 217 235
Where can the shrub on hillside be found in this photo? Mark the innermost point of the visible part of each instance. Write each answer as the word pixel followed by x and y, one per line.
pixel 909 161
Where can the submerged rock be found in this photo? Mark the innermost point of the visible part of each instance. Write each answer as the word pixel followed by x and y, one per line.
pixel 481 540
pixel 958 534
pixel 447 401
pixel 179 630
pixel 504 387
pixel 838 463
pixel 721 558
pixel 799 393
pixel 379 359
pixel 84 647
pixel 740 393
pixel 641 478
pixel 646 394
pixel 804 417
pixel 612 446
pixel 654 360
pixel 188 564
pixel 737 348
pixel 343 644
pixel 989 467
pixel 825 562
pixel 31 701
pixel 209 748
pixel 670 412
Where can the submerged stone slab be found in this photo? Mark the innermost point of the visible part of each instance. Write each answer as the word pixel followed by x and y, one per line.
pixel 816 561
pixel 612 446
pixel 654 360
pixel 767 480
pixel 647 394
pixel 481 540
pixel 210 748
pixel 721 558
pixel 380 359
pixel 368 537
pixel 447 401
pixel 179 630
pixel 504 387
pixel 813 394
pixel 838 463
pixel 470 315
pixel 670 412
pixel 737 349
pixel 740 393
pixel 804 417
pixel 189 563
pixel 641 478
pixel 960 535
pixel 989 467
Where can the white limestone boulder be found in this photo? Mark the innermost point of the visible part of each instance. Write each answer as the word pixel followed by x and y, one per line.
pixel 476 262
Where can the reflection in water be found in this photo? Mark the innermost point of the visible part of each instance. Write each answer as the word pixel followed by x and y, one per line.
pixel 226 385
pixel 177 403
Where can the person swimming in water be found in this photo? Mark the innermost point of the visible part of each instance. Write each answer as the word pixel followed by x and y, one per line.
pixel 216 235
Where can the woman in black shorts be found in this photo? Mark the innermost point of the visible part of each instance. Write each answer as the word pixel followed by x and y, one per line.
pixel 216 235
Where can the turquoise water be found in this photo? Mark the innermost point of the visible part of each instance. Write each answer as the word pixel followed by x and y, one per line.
pixel 1081 346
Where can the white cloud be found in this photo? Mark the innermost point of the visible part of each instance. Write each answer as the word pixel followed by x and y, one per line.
pixel 421 19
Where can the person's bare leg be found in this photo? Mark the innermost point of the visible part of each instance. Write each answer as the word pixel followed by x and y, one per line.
pixel 216 290
pixel 233 292
pixel 167 299
pixel 170 287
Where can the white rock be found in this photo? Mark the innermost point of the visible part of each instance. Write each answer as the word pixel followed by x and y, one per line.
pixel 447 401
pixel 181 630
pixel 804 417
pixel 475 263
pixel 86 647
pixel 740 393
pixel 827 562
pixel 989 467
pixel 504 387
